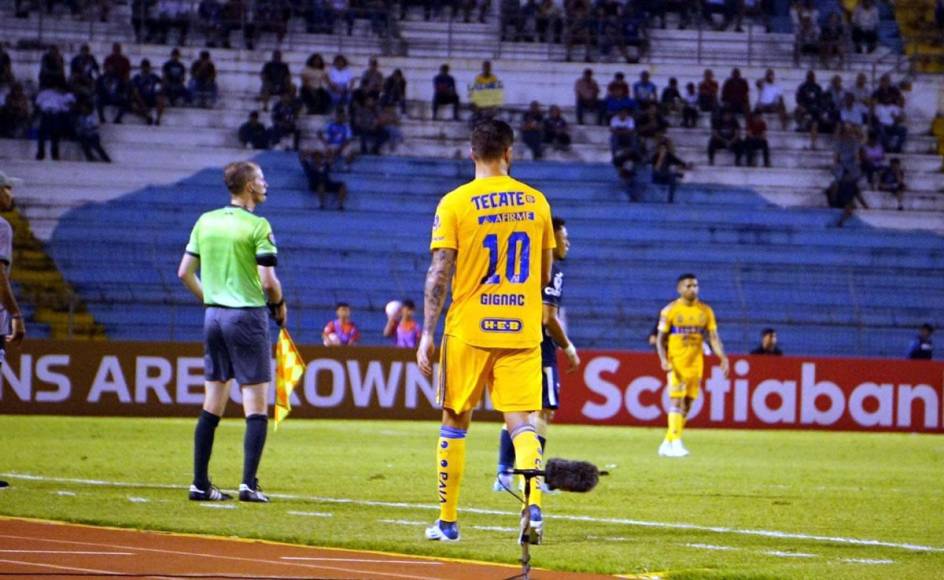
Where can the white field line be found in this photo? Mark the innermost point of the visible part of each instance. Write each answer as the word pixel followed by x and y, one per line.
pixel 565 517
pixel 494 529
pixel 361 561
pixel 870 561
pixel 780 554
pixel 57 567
pixel 607 538
pixel 134 499
pixel 67 552
pixel 711 547
pixel 311 514
pixel 65 493
pixel 218 506
pixel 404 522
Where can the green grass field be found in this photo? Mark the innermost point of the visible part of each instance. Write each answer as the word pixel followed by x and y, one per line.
pixel 807 485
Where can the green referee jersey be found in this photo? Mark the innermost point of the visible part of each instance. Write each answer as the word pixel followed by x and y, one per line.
pixel 230 243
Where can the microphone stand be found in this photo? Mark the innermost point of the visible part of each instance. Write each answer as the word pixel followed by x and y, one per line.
pixel 524 538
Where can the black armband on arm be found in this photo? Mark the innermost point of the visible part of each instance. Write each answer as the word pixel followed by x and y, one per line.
pixel 267 260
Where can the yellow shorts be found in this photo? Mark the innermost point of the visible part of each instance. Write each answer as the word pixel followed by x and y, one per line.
pixel 683 384
pixel 513 376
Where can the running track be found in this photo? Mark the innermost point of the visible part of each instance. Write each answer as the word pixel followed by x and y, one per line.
pixel 40 549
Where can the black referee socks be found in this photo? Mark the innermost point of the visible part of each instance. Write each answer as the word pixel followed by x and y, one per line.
pixel 203 447
pixel 254 441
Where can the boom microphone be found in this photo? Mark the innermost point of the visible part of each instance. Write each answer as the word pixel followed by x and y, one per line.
pixel 566 475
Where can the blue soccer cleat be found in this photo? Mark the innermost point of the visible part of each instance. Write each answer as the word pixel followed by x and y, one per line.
pixel 443 531
pixel 535 533
pixel 503 482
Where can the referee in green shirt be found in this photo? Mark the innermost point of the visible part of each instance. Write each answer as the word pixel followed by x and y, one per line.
pixel 234 251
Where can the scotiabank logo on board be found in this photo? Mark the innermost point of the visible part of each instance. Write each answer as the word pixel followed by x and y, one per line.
pixel 618 388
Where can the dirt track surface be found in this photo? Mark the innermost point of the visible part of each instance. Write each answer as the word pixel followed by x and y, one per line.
pixel 48 549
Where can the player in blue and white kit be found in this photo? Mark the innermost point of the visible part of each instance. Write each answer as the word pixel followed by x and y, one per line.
pixel 554 337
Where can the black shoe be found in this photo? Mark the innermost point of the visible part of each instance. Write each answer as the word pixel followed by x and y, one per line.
pixel 247 493
pixel 211 493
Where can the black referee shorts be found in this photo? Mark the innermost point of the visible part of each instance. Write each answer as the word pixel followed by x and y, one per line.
pixel 236 345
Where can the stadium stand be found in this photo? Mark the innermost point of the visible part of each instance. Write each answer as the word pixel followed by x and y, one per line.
pixel 759 238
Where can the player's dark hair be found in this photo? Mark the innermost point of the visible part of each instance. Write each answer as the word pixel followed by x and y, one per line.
pixel 490 139
pixel 341 305
pixel 686 276
pixel 927 327
pixel 238 174
pixel 767 331
pixel 558 223
pixel 409 304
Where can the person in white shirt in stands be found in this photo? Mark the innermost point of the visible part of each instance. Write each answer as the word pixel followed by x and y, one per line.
pixel 622 131
pixel 54 105
pixel 865 19
pixel 340 79
pixel 770 98
pixel 890 125
pixel 852 112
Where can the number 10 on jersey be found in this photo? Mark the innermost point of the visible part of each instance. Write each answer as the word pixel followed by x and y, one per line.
pixel 517 259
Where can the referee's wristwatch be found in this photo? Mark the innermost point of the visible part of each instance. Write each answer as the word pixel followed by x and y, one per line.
pixel 274 306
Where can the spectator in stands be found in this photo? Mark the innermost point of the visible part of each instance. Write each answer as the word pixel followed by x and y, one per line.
pixel 671 101
pixel 690 107
pixel 142 20
pixel 173 14
pixel 444 92
pixel 390 121
pixel 887 93
pixel 755 139
pixel 212 19
pixel 873 159
pixel 892 180
pixel 836 91
pixel 52 69
pixel 623 132
pixel 403 327
pixel 587 94
pixel 315 84
pixel 120 64
pixel 635 31
pixel 581 27
pixel 146 94
pixel 511 20
pixel 610 29
pixel 112 91
pixel 650 124
pixel 85 64
pixel 686 9
pixel 237 15
pixel 644 90
pixel 6 68
pixel 86 133
pixel 341 331
pixel 890 126
pixel 336 137
pixel 285 118
pixel 861 92
pixel 368 127
pixel 806 29
pixel 15 116
pixel 317 168
pixel 272 16
pixel 667 167
pixel 83 87
pixel 722 7
pixel 394 91
pixel 735 93
pixel 708 92
pixel 852 112
pixel 768 344
pixel 809 105
pixel 532 130
pixel 484 105
pixel 203 81
pixel 770 98
pixel 372 80
pixel 617 96
pixel 725 134
pixel 253 133
pixel 922 347
pixel 340 82
pixel 549 21
pixel 556 132
pixel 54 105
pixel 847 163
pixel 276 79
pixel 174 81
pixel 761 10
pixel 865 20
pixel 832 41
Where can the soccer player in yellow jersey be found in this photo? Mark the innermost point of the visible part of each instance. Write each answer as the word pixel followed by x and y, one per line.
pixel 496 234
pixel 683 326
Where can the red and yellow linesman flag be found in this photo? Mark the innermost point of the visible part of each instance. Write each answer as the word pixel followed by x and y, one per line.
pixel 289 369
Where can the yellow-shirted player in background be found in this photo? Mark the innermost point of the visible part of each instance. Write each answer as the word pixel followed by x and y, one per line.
pixel 496 233
pixel 683 325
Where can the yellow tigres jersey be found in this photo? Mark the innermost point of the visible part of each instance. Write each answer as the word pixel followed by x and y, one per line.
pixel 687 327
pixel 500 228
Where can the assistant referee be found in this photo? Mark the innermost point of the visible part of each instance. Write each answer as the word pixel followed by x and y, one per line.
pixel 234 251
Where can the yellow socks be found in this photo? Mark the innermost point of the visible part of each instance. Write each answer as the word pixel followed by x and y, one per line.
pixel 450 463
pixel 676 424
pixel 528 455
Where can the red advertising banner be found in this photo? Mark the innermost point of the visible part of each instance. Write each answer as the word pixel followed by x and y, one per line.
pixel 610 388
pixel 761 392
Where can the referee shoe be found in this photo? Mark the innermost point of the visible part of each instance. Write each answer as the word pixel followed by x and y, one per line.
pixel 211 493
pixel 247 493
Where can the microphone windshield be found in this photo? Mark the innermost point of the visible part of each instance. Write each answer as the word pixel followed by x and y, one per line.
pixel 573 476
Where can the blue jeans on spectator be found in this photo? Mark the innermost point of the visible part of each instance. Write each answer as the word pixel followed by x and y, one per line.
pixel 892 137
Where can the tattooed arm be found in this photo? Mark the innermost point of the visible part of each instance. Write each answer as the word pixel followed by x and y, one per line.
pixel 434 298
